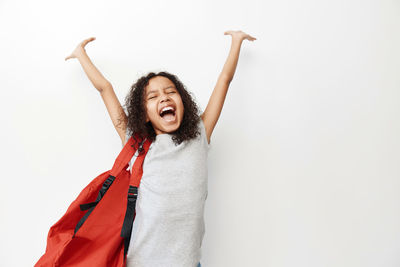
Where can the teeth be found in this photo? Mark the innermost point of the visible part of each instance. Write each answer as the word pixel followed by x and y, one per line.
pixel 166 108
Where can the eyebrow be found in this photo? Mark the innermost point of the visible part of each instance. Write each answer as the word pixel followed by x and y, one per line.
pixel 153 91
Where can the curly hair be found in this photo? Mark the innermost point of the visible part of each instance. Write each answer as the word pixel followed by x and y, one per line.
pixel 135 106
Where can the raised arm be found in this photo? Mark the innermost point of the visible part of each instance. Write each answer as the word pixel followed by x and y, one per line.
pixel 114 108
pixel 216 102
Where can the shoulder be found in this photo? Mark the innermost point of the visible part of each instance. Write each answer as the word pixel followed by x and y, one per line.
pixel 203 133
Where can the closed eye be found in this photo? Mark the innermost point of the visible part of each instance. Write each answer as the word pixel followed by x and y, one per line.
pixel 172 92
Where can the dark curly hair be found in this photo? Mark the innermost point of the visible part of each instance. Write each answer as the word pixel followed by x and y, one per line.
pixel 135 107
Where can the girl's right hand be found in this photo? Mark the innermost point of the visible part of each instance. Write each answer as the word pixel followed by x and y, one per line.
pixel 80 48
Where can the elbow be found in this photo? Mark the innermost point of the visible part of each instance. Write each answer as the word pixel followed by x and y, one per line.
pixel 103 87
pixel 226 79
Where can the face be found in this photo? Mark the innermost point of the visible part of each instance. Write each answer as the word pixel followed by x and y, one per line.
pixel 160 93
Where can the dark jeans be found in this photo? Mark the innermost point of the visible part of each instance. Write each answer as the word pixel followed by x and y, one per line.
pixel 199 265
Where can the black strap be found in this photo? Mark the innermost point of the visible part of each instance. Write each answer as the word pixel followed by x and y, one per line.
pixel 90 206
pixel 127 225
pixel 126 230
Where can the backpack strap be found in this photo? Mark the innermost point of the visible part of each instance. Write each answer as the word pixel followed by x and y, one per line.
pixel 136 176
pixel 125 155
pixel 121 162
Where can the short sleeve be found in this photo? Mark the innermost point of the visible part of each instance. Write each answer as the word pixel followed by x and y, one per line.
pixel 126 138
pixel 204 135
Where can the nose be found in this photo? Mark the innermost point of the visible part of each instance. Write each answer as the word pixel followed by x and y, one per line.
pixel 164 97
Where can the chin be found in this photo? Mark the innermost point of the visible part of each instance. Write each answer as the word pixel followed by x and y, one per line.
pixel 168 128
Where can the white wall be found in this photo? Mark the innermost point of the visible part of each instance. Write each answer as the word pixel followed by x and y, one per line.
pixel 304 168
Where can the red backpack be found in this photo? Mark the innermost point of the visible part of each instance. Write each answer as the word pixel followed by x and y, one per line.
pixel 96 228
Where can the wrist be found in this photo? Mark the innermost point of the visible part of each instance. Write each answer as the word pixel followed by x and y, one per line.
pixel 80 51
pixel 238 40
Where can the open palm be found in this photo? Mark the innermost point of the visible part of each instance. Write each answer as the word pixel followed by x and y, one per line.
pixel 240 35
pixel 80 47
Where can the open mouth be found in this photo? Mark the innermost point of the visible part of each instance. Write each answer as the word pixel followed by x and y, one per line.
pixel 168 114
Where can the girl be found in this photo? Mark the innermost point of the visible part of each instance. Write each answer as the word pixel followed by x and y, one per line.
pixel 169 226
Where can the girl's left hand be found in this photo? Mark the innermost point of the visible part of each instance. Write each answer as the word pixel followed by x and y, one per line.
pixel 239 35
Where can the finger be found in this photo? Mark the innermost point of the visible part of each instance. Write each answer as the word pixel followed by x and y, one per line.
pixel 88 40
pixel 251 38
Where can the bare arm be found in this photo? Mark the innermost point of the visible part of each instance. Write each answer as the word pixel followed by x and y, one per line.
pixel 217 99
pixel 114 108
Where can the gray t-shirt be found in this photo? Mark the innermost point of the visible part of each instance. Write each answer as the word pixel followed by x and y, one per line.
pixel 169 225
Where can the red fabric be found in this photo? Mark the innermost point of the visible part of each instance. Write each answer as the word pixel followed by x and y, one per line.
pixel 98 241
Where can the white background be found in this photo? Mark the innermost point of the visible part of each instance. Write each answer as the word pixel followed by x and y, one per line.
pixel 304 167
